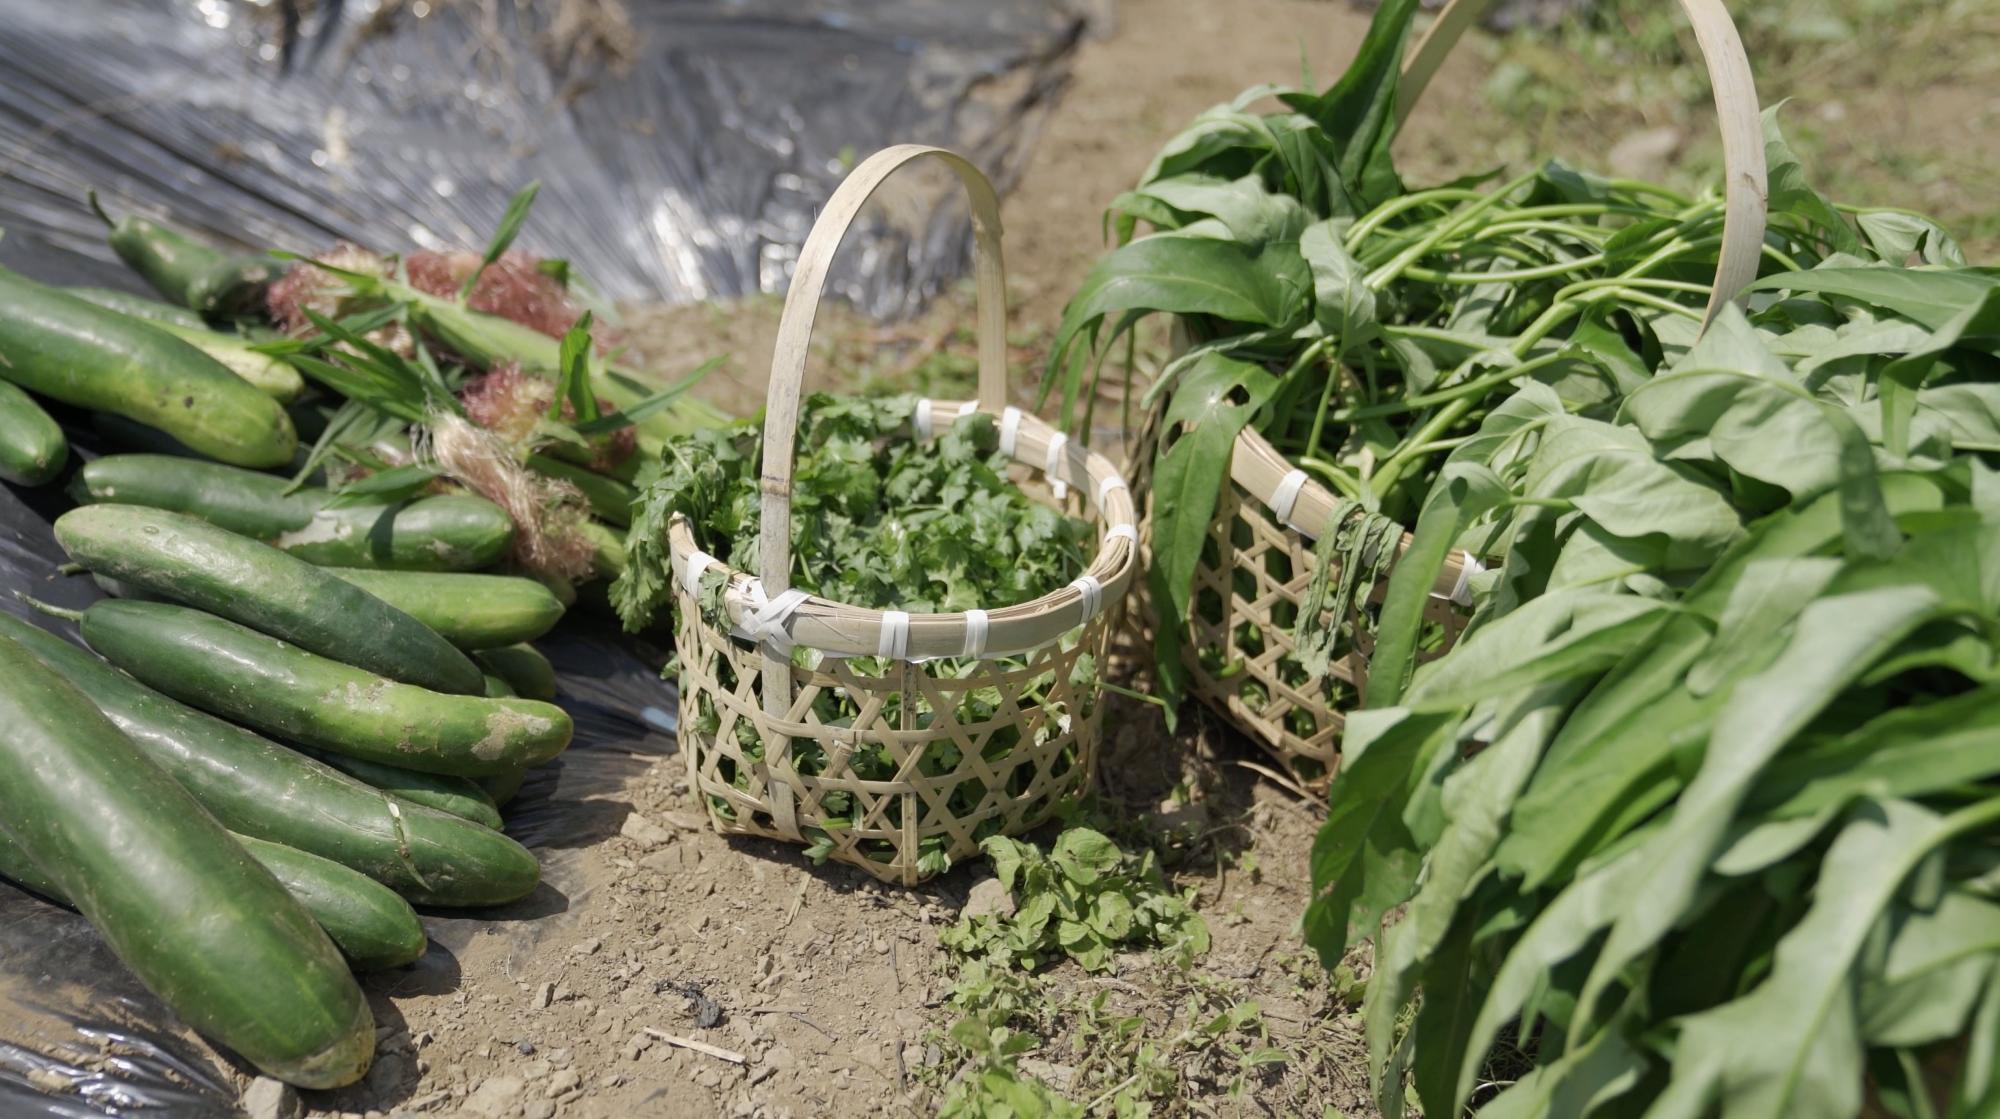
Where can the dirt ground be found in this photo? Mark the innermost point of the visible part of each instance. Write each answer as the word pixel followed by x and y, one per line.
pixel 814 992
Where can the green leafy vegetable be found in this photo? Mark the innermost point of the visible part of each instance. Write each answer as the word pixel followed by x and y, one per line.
pixel 1695 809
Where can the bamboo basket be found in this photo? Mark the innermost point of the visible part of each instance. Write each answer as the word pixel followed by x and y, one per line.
pixel 1240 656
pixel 984 721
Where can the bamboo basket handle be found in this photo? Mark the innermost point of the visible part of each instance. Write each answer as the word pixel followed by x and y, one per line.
pixel 788 357
pixel 1744 185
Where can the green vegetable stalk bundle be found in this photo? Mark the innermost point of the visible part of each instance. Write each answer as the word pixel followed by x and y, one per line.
pixel 1700 815
pixel 1365 328
pixel 878 521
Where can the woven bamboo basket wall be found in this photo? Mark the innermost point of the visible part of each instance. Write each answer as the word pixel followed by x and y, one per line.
pixel 1252 577
pixel 893 740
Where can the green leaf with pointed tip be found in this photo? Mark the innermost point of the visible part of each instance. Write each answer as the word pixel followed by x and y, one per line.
pixel 1363 863
pixel 1343 305
pixel 1251 214
pixel 515 216
pixel 1789 194
pixel 1932 297
pixel 1792 1045
pixel 1835 641
pixel 1212 403
pixel 1174 273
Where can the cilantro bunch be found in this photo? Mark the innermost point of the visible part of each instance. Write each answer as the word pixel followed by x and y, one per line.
pixel 878 521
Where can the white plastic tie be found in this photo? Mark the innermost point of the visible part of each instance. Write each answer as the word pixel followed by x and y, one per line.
pixel 1122 532
pixel 1105 488
pixel 1285 499
pixel 895 642
pixel 1092 592
pixel 967 408
pixel 1052 465
pixel 1461 591
pixel 763 619
pixel 1010 430
pixel 975 633
pixel 922 420
pixel 691 574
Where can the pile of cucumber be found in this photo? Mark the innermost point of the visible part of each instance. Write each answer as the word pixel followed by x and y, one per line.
pixel 300 712
pixel 264 764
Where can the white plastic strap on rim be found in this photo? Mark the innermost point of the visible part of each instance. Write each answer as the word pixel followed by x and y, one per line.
pixel 1052 465
pixel 1092 592
pixel 1010 430
pixel 691 574
pixel 1285 499
pixel 763 620
pixel 1122 532
pixel 922 419
pixel 975 633
pixel 1105 487
pixel 895 643
pixel 1461 591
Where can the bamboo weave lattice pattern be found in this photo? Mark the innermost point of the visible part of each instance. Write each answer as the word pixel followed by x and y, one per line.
pixel 891 766
pixel 1240 655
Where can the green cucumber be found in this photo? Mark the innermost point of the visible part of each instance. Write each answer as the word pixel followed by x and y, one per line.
pixel 496 688
pixel 607 560
pixel 175 896
pixel 370 925
pixel 524 668
pixel 118 434
pixel 195 275
pixel 190 561
pixel 471 611
pixel 460 796
pixel 65 349
pixel 118 588
pixel 272 376
pixel 259 788
pixel 236 673
pixel 32 447
pixel 140 307
pixel 503 787
pixel 453 532
pixel 609 498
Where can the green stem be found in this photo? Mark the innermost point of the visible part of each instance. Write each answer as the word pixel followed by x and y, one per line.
pixel 1475 387
pixel 1374 219
pixel 50 609
pixel 1319 415
pixel 1336 477
pixel 1460 219
pixel 1439 334
pixel 1392 471
pixel 1546 271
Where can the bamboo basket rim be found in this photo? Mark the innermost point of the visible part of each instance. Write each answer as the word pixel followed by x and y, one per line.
pixel 841 629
